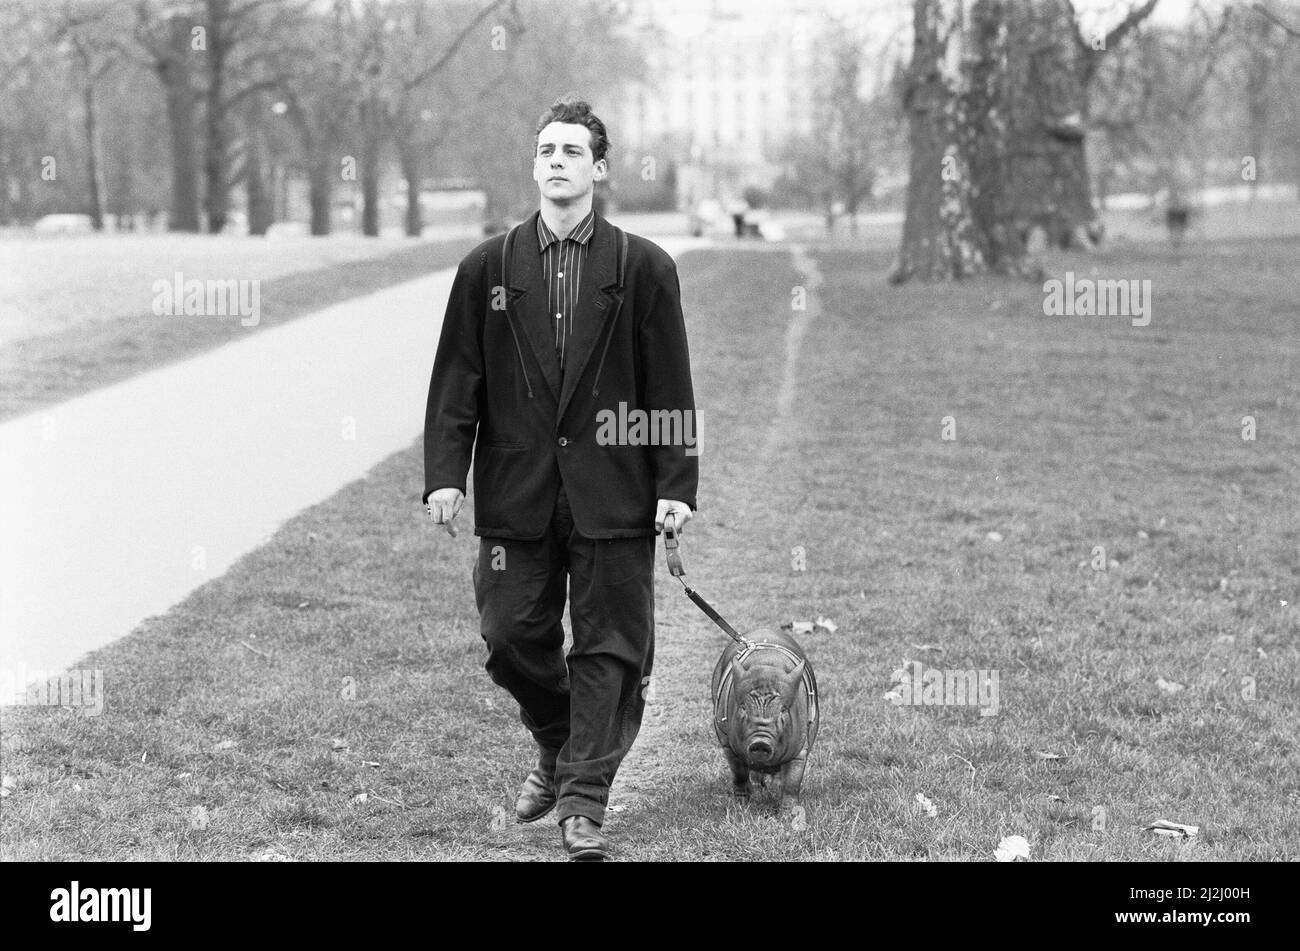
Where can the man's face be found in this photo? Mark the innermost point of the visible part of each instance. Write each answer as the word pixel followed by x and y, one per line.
pixel 563 166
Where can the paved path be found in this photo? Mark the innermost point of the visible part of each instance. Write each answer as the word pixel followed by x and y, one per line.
pixel 116 505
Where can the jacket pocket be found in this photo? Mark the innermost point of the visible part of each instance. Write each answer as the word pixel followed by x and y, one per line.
pixel 497 444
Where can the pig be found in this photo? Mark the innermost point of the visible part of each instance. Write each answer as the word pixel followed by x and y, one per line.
pixel 764 714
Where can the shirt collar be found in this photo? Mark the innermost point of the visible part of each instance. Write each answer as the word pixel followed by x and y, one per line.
pixel 581 232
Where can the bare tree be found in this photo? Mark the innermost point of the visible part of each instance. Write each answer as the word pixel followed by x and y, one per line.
pixel 1261 49
pixel 835 164
pixel 997 99
pixel 167 39
pixel 242 42
pixel 940 240
pixel 1151 102
pixel 419 110
pixel 88 33
pixel 29 103
pixel 317 80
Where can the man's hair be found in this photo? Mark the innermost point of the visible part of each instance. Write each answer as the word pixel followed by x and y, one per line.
pixel 577 111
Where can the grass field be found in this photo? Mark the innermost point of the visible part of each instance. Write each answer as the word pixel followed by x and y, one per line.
pixel 82 319
pixel 325 699
pixel 52 282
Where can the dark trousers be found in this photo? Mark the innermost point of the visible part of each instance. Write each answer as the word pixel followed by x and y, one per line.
pixel 585 712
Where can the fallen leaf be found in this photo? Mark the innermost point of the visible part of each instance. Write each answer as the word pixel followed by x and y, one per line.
pixel 303 604
pixel 994 536
pixel 144 756
pixel 1174 829
pixel 1012 848
pixel 1170 686
pixel 359 798
pixel 226 745
pixel 826 623
pixel 499 819
pixel 7 785
pixel 799 819
pixel 338 744
pixel 1046 755
pixel 926 806
pixel 366 762
pixel 929 647
pixel 1226 639
pixel 801 627
pixel 270 855
pixel 183 775
pixel 895 695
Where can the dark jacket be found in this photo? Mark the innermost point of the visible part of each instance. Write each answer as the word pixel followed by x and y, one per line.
pixel 496 391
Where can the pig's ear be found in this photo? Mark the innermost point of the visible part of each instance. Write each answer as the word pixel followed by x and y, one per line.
pixel 737 670
pixel 790 686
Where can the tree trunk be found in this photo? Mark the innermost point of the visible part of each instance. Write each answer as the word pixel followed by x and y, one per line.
pixel 939 237
pixel 410 161
pixel 320 193
pixel 261 210
pixel 173 70
pixel 217 145
pixel 370 191
pixel 1046 105
pixel 987 139
pixel 94 167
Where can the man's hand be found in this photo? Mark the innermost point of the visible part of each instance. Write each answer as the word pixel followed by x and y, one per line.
pixel 443 507
pixel 681 513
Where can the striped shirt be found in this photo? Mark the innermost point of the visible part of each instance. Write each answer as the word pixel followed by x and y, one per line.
pixel 562 261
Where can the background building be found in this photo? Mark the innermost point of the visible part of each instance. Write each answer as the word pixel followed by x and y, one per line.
pixel 729 82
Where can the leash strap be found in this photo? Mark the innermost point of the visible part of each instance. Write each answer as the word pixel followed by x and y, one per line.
pixel 715 616
pixel 672 550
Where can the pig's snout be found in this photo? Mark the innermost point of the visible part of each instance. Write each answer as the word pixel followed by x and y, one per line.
pixel 760 750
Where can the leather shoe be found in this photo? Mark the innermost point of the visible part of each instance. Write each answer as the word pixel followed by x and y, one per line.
pixel 536 796
pixel 583 841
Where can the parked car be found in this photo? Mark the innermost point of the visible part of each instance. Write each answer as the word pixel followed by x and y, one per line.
pixel 64 224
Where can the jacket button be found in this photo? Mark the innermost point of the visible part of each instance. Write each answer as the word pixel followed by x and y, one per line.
pixel 563 441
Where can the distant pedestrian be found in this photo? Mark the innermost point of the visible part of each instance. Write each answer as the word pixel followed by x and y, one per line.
pixel 738 211
pixel 1177 214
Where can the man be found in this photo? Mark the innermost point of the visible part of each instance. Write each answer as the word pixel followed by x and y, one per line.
pixel 540 347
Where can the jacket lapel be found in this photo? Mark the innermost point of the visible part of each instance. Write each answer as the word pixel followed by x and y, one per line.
pixel 598 301
pixel 527 295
